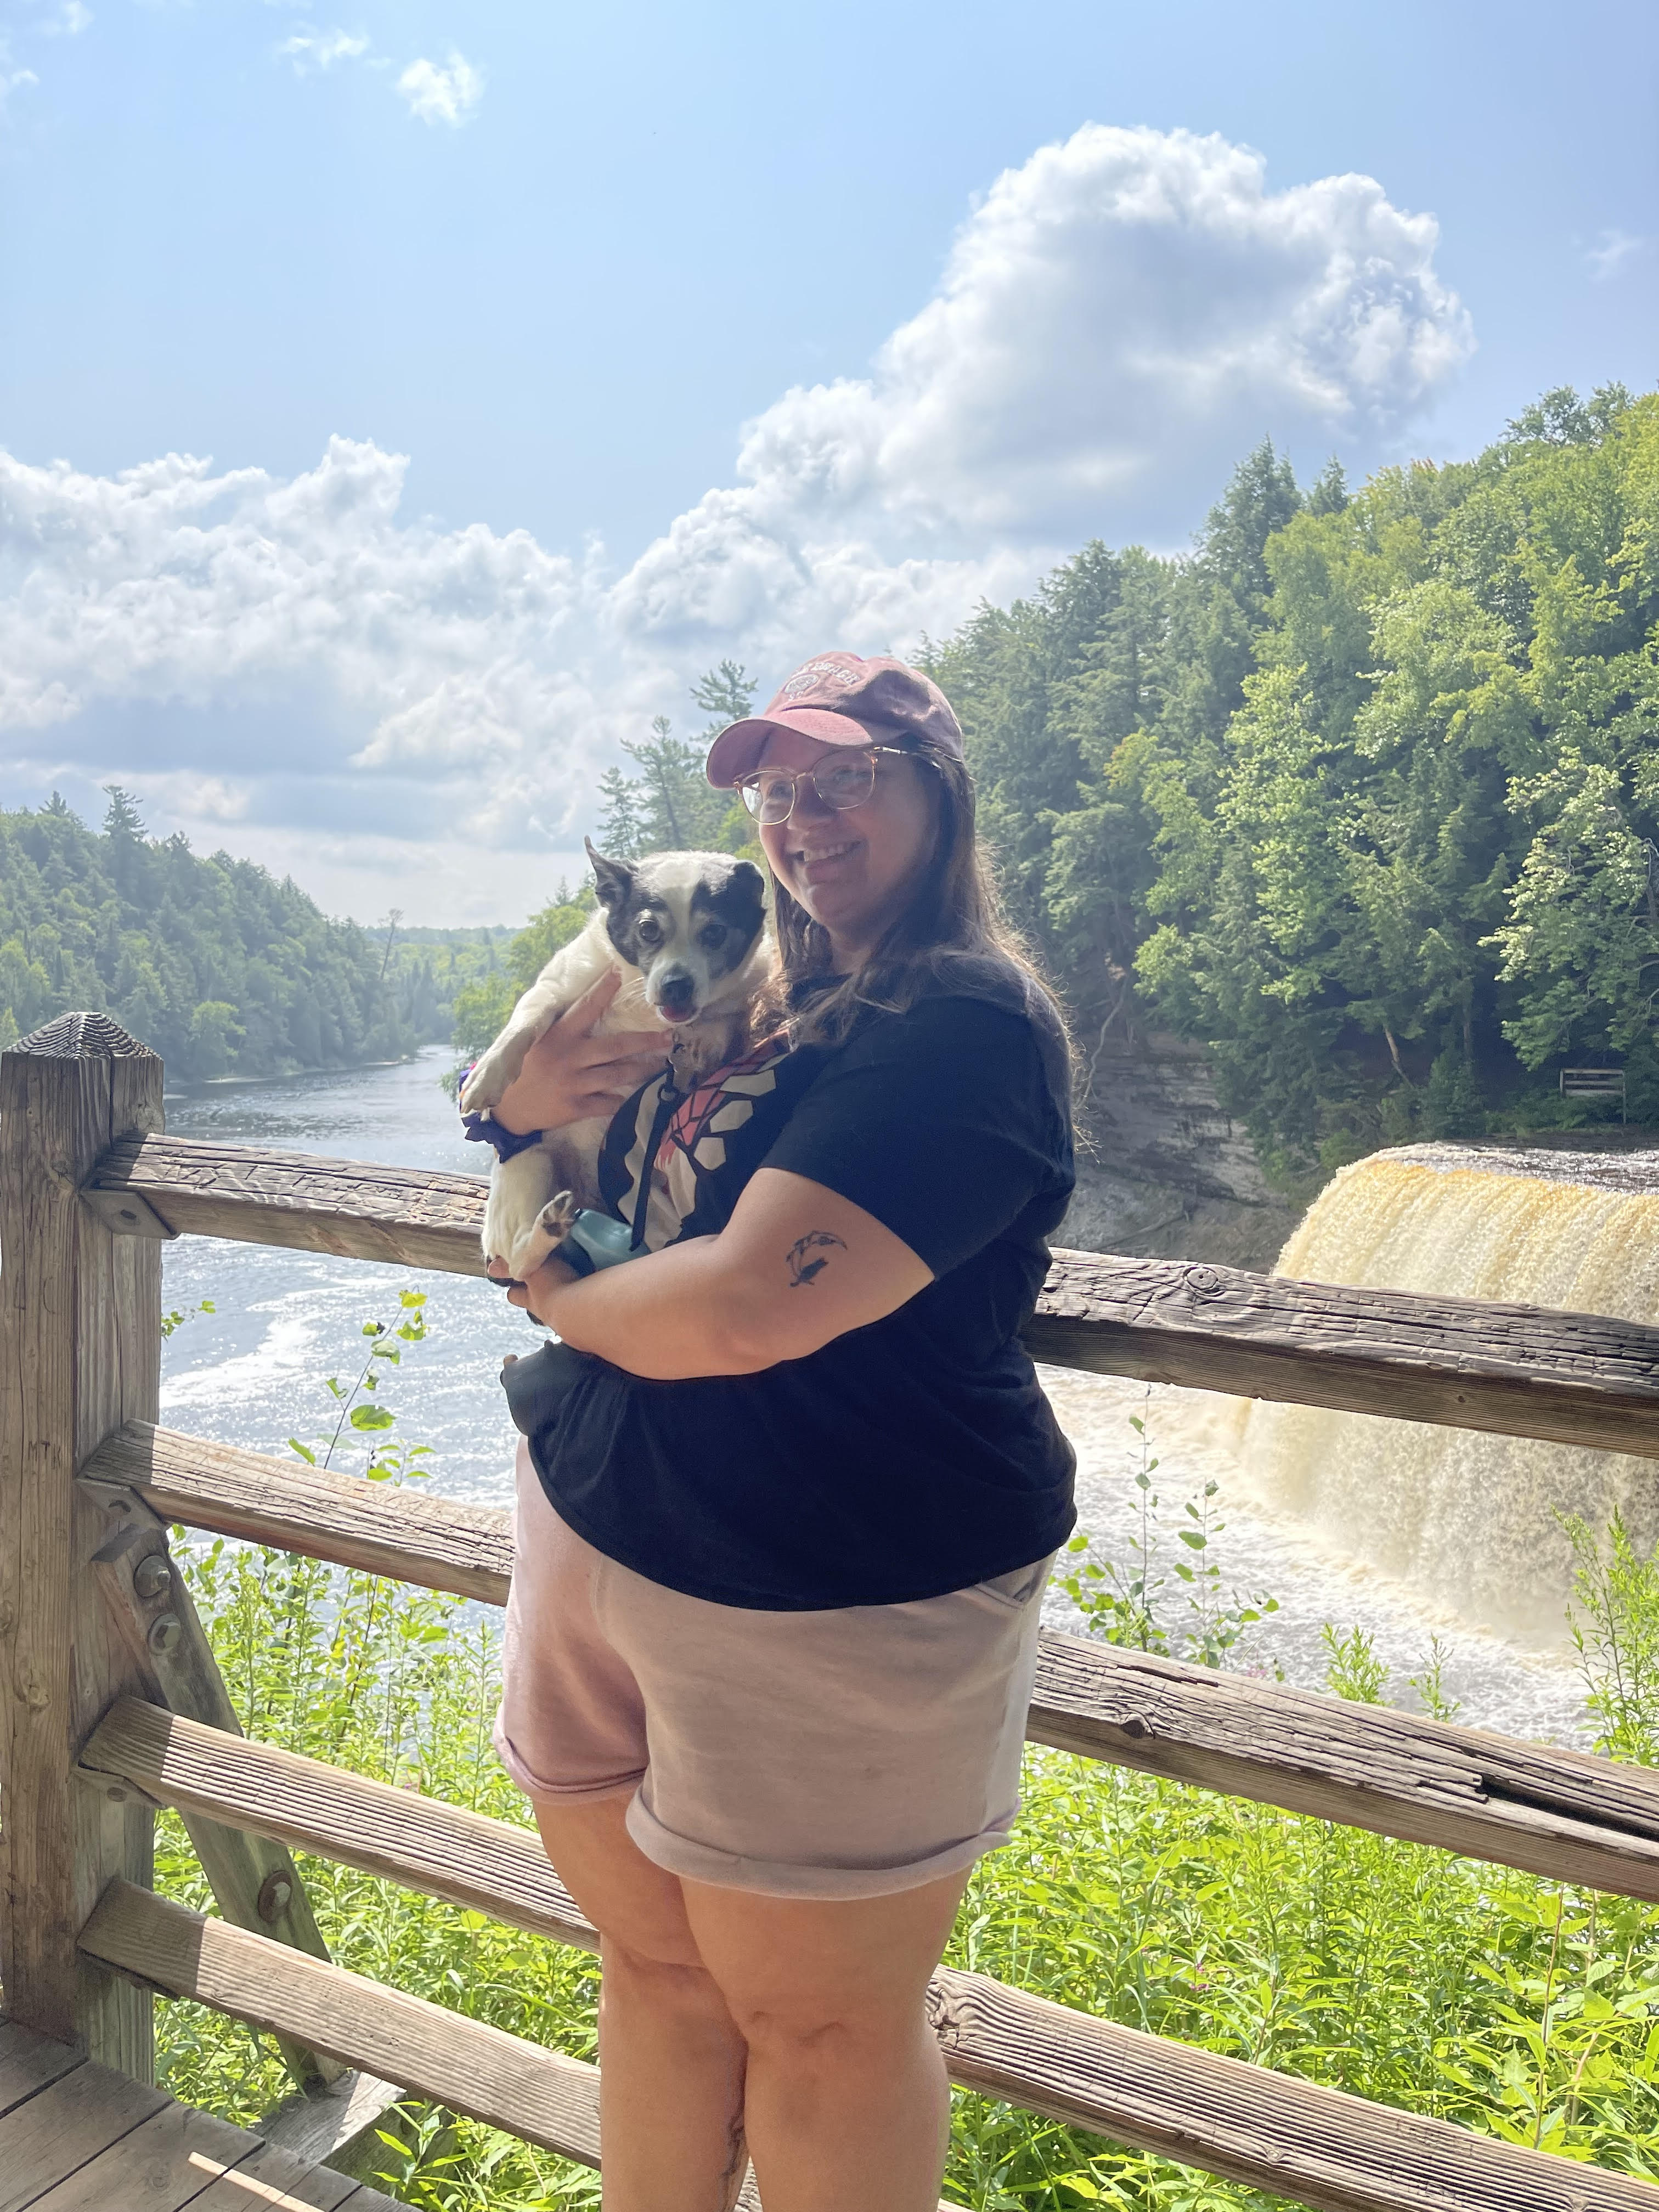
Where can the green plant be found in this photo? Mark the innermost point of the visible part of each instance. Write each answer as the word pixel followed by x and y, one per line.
pixel 1614 1619
pixel 1122 1605
pixel 1430 1686
pixel 179 1316
pixel 1354 1671
pixel 358 1406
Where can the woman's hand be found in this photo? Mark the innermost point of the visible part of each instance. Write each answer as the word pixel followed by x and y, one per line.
pixel 571 1075
pixel 552 1275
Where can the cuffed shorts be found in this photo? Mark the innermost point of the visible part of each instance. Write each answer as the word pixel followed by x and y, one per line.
pixel 843 1753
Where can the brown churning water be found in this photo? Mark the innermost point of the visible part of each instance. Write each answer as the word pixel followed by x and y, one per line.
pixel 1468 1522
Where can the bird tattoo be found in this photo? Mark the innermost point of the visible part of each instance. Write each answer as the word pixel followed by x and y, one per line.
pixel 803 1270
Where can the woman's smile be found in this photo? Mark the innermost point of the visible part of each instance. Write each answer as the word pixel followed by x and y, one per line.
pixel 824 860
pixel 854 869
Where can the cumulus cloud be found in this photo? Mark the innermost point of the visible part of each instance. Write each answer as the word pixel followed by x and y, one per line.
pixel 446 92
pixel 1126 308
pixel 322 50
pixel 1118 321
pixel 67 21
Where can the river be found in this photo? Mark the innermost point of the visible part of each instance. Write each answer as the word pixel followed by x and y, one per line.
pixel 253 1373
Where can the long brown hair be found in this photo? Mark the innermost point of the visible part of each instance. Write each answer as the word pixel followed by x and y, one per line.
pixel 955 910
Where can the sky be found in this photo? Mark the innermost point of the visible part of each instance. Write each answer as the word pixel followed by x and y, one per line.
pixel 400 406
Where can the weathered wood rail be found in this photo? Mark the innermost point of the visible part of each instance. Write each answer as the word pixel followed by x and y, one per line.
pixel 1519 1370
pixel 110 1706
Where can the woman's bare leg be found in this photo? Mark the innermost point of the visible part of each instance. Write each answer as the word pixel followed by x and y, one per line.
pixel 846 2102
pixel 672 2061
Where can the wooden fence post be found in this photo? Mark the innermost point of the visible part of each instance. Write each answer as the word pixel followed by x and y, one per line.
pixel 80 1353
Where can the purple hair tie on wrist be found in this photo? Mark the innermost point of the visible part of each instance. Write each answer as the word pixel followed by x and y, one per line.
pixel 483 1128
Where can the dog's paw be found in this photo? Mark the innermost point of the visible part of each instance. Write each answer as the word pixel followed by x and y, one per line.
pixel 552 1225
pixel 484 1087
pixel 506 1224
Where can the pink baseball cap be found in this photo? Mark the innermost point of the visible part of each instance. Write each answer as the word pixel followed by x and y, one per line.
pixel 840 700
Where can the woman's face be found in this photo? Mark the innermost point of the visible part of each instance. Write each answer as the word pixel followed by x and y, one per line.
pixel 853 872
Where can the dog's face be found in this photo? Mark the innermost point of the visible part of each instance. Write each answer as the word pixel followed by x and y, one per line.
pixel 687 921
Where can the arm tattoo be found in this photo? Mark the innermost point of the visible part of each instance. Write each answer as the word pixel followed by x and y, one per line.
pixel 803 1270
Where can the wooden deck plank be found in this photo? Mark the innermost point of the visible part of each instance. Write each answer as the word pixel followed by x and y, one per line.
pixel 148 2153
pixel 331 2122
pixel 64 2126
pixel 1513 1370
pixel 30 2063
pixel 162 2166
pixel 1566 1815
pixel 274 2180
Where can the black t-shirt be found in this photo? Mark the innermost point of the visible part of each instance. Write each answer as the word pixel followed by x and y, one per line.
pixel 910 1457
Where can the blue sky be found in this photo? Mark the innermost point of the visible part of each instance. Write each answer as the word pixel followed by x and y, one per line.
pixel 533 270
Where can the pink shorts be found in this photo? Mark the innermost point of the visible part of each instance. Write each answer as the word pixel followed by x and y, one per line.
pixel 847 1752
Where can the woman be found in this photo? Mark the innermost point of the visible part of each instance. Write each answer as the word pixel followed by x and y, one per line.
pixel 781 1550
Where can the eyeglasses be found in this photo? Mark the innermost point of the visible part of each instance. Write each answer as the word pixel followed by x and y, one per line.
pixel 844 780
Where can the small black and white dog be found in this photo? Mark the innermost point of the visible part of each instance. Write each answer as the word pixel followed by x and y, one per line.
pixel 686 930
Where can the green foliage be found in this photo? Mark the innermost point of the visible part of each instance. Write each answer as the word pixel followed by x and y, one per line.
pixel 1355 1671
pixel 1614 1619
pixel 1123 1603
pixel 213 962
pixel 669 806
pixel 1365 793
pixel 482 1007
pixel 179 1316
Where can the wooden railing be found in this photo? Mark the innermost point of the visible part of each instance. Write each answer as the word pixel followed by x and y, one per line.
pixel 110 1704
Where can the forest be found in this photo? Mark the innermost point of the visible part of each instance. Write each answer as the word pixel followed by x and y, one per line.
pixel 1362 793
pixel 213 962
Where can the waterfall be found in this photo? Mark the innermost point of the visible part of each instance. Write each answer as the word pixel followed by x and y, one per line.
pixel 1468 1522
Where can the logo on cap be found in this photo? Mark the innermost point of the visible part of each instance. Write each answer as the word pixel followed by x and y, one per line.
pixel 817 672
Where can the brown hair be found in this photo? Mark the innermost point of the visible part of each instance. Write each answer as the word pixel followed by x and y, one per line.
pixel 955 911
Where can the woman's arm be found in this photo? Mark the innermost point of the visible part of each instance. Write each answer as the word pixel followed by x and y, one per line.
pixel 795 1265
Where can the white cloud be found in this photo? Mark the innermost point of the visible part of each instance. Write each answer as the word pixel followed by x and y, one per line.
pixel 1118 322
pixel 12 80
pixel 1126 309
pixel 321 50
pixel 71 19
pixel 1616 248
pixel 446 91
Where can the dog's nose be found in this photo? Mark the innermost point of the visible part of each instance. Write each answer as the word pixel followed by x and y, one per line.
pixel 677 992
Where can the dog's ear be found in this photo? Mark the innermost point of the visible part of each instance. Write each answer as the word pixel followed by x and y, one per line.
pixel 612 880
pixel 748 883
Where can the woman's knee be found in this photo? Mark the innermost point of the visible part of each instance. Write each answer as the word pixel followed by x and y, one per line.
pixel 802 2033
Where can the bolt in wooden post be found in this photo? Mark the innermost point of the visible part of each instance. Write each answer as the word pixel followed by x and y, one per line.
pixel 80 1353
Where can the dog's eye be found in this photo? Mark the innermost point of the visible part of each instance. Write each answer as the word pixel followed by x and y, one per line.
pixel 650 928
pixel 712 936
